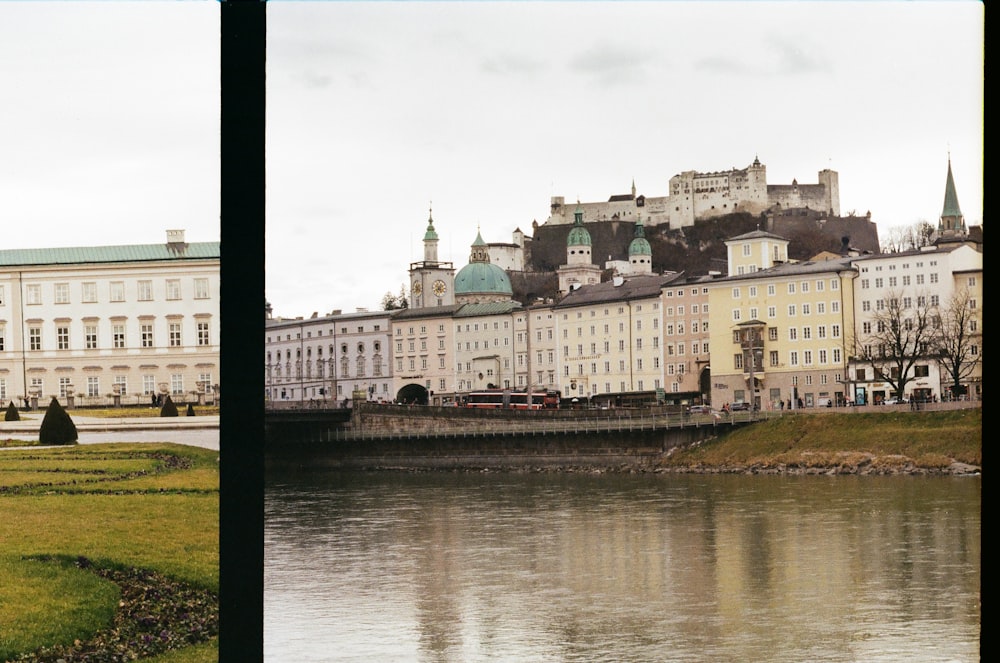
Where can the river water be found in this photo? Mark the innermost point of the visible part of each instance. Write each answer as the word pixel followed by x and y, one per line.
pixel 394 566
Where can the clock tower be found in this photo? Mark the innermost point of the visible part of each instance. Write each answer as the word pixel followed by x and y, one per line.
pixel 431 281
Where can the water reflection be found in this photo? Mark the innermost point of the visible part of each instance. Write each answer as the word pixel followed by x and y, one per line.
pixel 475 567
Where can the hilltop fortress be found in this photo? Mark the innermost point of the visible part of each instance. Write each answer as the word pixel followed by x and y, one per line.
pixel 697 196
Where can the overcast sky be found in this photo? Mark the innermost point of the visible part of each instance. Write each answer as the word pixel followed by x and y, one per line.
pixel 376 110
pixel 488 109
pixel 110 122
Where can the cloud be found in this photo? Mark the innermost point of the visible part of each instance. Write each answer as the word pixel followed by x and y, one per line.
pixel 612 64
pixel 511 64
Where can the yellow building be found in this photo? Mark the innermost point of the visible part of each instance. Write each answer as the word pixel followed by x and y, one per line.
pixel 779 329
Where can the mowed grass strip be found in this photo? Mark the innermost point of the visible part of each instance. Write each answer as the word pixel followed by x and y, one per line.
pixel 927 439
pixel 44 603
pixel 157 508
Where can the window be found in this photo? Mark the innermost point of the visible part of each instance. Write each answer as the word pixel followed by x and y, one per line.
pixel 791 309
pixel 173 289
pixel 773 357
pixel 791 288
pixel 174 334
pixel 118 335
pixel 772 333
pixel 64 385
pixel 177 383
pixel 736 293
pixel 34 293
pixel 793 358
pixel 793 334
pixel 203 334
pixel 117 291
pixel 93 385
pixel 90 337
pixel 145 291
pixel 146 335
pixel 62 293
pixel 3 337
pixel 738 360
pixel 201 288
pixel 34 338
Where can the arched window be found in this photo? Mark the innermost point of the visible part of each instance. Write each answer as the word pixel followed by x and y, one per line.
pixel 343 367
pixel 361 366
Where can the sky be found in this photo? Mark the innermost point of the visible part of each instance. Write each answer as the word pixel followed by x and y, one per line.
pixel 379 111
pixel 110 122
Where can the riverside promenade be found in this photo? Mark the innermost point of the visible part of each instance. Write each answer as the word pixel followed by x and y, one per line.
pixel 200 431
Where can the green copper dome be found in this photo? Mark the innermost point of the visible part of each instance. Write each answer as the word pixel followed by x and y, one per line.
pixel 431 234
pixel 639 246
pixel 578 235
pixel 479 278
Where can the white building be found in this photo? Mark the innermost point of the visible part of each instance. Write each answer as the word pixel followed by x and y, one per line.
pixel 325 360
pixel 102 324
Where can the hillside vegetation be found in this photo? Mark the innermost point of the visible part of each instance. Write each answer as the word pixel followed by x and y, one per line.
pixel 878 443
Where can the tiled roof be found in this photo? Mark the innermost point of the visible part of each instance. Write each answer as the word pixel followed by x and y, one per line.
pixel 641 286
pixel 109 254
pixel 488 308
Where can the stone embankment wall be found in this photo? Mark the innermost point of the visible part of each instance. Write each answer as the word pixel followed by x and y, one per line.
pixel 452 438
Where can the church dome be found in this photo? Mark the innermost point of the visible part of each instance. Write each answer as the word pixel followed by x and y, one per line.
pixel 578 235
pixel 482 278
pixel 640 245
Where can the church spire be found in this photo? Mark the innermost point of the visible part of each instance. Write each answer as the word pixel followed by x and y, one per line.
pixel 952 221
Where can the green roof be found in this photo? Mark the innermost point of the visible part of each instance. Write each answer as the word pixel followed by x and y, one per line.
pixel 482 278
pixel 951 207
pixel 109 254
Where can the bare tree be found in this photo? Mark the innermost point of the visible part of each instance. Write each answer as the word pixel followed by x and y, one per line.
pixel 902 332
pixel 959 341
pixel 907 238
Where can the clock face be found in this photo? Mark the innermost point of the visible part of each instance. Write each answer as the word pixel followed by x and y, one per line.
pixel 416 287
pixel 440 288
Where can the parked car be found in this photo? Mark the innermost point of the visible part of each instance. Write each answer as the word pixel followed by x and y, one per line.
pixel 700 409
pixel 737 407
pixel 895 401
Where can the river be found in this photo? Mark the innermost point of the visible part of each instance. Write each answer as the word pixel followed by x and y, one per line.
pixel 442 566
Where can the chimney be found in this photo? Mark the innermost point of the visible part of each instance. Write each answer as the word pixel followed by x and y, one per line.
pixel 175 241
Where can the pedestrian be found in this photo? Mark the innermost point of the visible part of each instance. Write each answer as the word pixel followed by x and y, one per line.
pixel 152 401
pixel 782 406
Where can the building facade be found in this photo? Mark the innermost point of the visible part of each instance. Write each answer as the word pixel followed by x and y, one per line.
pixel 110 324
pixel 327 360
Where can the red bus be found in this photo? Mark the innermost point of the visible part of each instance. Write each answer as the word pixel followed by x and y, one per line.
pixel 506 399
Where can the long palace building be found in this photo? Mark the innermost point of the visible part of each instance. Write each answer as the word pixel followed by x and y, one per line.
pixel 110 324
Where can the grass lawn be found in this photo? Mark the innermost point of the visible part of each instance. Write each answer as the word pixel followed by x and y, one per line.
pixel 92 533
pixel 928 440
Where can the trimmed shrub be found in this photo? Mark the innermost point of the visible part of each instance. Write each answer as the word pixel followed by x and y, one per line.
pixel 57 426
pixel 190 411
pixel 168 409
pixel 12 414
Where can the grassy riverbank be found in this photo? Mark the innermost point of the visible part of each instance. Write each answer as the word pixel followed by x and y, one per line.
pixel 109 548
pixel 877 443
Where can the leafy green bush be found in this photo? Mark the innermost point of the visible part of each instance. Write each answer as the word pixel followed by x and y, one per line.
pixel 57 426
pixel 12 414
pixel 168 409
